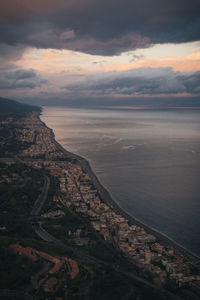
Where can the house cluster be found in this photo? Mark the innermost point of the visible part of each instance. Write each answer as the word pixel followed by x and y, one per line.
pixel 139 246
pixel 53 214
pixel 79 193
pixel 39 136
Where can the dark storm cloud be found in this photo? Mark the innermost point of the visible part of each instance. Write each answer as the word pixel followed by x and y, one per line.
pixel 22 74
pixel 140 81
pixel 191 82
pixel 103 27
pixel 13 78
pixel 10 52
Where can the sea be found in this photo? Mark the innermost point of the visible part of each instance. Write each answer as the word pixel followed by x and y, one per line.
pixel 149 160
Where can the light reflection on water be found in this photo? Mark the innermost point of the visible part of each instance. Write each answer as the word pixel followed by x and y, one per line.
pixel 149 161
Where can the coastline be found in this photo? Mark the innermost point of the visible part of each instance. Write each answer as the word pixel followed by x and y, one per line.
pixel 108 199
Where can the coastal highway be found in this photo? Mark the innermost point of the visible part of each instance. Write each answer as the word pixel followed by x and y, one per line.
pixel 41 198
pixel 47 237
pixel 164 294
pixel 44 235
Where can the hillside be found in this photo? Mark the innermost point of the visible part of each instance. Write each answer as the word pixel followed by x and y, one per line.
pixel 12 107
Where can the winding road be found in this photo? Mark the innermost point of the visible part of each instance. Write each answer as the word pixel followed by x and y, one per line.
pixel 44 235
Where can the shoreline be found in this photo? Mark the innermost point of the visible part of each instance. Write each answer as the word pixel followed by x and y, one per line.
pixel 108 199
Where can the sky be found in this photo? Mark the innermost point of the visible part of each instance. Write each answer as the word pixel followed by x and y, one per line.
pixel 108 51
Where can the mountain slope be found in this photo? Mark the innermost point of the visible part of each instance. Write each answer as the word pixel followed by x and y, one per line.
pixel 10 106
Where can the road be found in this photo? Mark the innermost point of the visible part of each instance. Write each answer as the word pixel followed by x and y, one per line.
pixel 41 198
pixel 43 234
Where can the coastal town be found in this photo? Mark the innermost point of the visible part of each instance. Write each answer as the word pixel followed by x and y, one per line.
pixel 80 194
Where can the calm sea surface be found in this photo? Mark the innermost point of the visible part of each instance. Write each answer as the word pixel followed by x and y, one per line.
pixel 148 160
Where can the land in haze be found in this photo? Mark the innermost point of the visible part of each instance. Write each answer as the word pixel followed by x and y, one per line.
pixel 63 236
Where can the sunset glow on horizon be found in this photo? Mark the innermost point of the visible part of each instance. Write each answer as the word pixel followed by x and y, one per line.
pixel 70 50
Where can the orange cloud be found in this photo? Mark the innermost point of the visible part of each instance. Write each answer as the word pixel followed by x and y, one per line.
pixel 56 61
pixel 187 63
pixel 50 61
